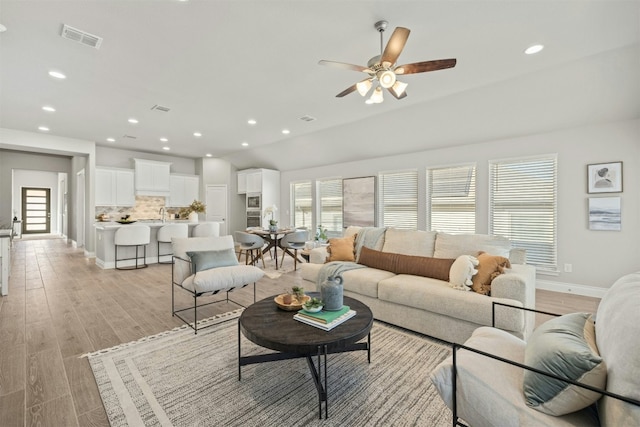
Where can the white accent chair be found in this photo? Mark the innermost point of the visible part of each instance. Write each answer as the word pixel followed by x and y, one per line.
pixel 294 241
pixel 207 229
pixel 168 232
pixel 136 236
pixel 208 265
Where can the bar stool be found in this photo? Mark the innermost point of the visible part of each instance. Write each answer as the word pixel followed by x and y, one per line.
pixel 132 235
pixel 207 229
pixel 166 233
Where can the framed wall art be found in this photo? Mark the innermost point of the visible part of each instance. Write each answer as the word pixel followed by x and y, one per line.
pixel 359 201
pixel 604 178
pixel 605 213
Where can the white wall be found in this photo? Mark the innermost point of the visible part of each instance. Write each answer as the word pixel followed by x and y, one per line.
pixel 598 257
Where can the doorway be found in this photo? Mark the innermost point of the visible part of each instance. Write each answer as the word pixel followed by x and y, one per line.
pixel 217 206
pixel 36 210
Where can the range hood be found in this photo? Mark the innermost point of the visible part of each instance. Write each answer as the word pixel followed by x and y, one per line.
pixel 153 178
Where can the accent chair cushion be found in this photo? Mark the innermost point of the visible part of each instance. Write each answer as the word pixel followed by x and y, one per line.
pixel 566 347
pixel 342 248
pixel 205 260
pixel 489 267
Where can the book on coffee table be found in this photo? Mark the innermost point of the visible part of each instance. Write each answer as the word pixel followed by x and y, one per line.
pixel 325 326
pixel 324 316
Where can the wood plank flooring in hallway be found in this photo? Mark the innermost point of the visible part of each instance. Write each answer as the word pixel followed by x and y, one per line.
pixel 61 306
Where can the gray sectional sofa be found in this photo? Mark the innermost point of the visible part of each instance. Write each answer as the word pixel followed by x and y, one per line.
pixel 432 306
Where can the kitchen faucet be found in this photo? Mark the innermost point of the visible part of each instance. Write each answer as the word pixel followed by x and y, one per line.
pixel 161 212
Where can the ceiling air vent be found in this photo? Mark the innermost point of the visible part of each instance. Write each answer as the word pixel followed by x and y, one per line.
pixel 129 136
pixel 160 108
pixel 81 36
pixel 307 118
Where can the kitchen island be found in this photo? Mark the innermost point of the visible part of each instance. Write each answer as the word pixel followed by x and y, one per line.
pixel 105 247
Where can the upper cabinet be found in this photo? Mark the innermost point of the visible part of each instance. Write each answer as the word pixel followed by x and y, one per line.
pixel 251 180
pixel 115 187
pixel 152 178
pixel 184 190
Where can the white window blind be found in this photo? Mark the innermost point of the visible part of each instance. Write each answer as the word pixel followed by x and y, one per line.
pixel 301 214
pixel 330 205
pixel 399 199
pixel 451 199
pixel 523 206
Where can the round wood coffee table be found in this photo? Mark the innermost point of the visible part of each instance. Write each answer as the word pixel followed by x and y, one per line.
pixel 265 324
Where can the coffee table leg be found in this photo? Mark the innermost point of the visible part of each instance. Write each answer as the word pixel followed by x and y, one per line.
pixel 239 355
pixel 326 386
pixel 369 347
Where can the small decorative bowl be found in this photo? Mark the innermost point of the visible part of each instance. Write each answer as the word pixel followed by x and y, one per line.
pixel 312 309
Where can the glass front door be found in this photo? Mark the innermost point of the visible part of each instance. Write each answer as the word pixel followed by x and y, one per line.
pixel 36 210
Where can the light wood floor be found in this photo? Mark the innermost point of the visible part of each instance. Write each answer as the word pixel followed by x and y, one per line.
pixel 61 306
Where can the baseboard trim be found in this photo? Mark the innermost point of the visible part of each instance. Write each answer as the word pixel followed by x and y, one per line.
pixel 571 288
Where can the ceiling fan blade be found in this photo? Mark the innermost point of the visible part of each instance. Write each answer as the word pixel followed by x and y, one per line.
pixel 345 66
pixel 393 92
pixel 347 91
pixel 424 66
pixel 394 46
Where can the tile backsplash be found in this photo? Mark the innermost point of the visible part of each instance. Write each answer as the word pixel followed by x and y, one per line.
pixel 147 207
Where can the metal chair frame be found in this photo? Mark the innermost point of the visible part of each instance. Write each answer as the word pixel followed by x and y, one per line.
pixel 137 257
pixel 457 421
pixel 194 325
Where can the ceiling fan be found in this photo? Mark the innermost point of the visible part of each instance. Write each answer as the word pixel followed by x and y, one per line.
pixel 383 69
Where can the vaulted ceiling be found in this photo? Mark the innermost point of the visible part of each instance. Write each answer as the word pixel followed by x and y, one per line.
pixel 216 64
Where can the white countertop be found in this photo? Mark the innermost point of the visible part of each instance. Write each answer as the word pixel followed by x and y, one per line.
pixel 107 225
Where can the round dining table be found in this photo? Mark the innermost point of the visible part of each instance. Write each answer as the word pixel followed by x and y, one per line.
pixel 273 239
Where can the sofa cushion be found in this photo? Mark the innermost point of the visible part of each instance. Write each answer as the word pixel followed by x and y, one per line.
pixel 364 281
pixel 410 242
pixel 204 260
pixel 566 347
pixel 222 278
pixel 342 248
pixel 438 297
pixel 489 266
pixel 454 245
pixel 406 264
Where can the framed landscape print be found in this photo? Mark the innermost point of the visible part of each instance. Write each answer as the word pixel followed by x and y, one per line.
pixel 359 201
pixel 604 178
pixel 604 213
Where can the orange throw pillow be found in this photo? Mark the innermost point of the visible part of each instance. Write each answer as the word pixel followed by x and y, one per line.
pixel 342 249
pixel 489 267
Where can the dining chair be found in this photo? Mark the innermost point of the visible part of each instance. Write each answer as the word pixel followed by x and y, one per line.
pixel 294 241
pixel 251 245
pixel 166 233
pixel 136 236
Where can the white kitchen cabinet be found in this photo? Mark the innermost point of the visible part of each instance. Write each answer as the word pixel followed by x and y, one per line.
pixel 152 178
pixel 114 187
pixel 184 190
pixel 242 182
pixel 254 182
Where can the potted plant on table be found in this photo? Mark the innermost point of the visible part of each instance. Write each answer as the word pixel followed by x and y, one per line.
pixel 194 209
pixel 271 210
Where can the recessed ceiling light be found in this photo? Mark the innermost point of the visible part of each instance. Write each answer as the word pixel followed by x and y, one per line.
pixel 43 128
pixel 209 155
pixel 111 140
pixel 245 144
pixel 166 148
pixel 49 109
pixel 286 131
pixel 164 139
pixel 57 74
pixel 251 121
pixel 197 134
pixel 133 121
pixel 2 28
pixel 368 101
pixel 533 49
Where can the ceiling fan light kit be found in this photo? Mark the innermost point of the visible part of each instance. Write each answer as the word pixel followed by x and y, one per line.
pixel 383 69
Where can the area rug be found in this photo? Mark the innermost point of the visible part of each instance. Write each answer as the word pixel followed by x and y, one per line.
pixel 181 379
